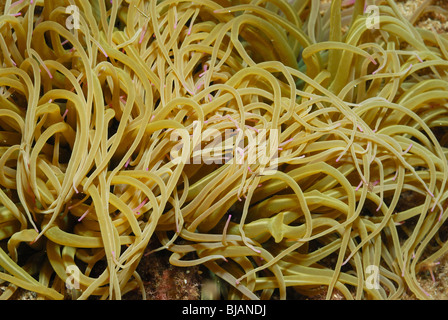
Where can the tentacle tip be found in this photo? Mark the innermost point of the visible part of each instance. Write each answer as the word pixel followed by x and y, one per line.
pixel 373 60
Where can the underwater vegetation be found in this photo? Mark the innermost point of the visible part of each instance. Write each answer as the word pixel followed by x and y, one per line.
pixel 94 96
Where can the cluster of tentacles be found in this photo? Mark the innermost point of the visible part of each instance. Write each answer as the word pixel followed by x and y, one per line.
pixel 271 141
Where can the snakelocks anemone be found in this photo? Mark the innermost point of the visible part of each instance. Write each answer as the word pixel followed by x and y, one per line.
pixel 270 141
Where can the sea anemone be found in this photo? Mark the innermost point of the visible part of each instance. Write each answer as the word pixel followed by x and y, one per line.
pixel 270 141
